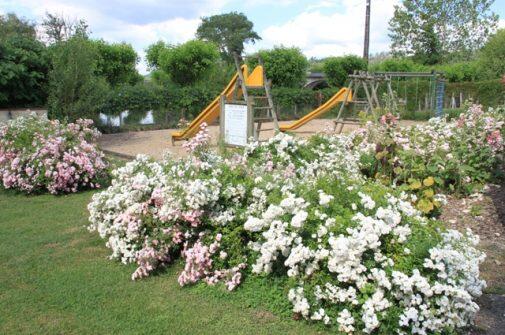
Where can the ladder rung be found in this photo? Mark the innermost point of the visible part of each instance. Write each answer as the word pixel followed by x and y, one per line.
pixel 263 119
pixel 266 107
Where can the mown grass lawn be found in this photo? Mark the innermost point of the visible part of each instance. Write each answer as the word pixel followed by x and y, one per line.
pixel 55 278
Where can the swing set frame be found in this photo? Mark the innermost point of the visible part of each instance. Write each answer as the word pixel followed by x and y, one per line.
pixel 370 83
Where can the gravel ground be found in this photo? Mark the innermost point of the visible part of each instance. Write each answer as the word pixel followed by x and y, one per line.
pixel 155 142
pixel 484 214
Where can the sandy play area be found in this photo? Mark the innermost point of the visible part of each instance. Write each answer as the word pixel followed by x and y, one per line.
pixel 155 142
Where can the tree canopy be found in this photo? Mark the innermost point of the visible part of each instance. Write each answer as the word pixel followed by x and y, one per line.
pixel 337 69
pixel 75 89
pixel 153 52
pixel 434 30
pixel 12 25
pixel 286 67
pixel 492 57
pixel 189 62
pixel 116 62
pixel 229 32
pixel 23 64
pixel 58 28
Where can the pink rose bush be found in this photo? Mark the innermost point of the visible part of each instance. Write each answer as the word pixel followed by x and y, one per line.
pixel 39 155
pixel 354 254
pixel 460 155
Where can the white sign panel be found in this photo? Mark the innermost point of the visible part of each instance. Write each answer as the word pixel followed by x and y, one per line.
pixel 235 124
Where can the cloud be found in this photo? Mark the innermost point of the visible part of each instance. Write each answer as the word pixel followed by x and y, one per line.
pixel 501 23
pixel 132 11
pixel 321 32
pixel 140 22
pixel 323 28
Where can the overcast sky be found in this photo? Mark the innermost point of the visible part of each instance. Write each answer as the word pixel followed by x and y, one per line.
pixel 320 28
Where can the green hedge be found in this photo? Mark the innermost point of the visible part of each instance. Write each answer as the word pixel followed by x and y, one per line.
pixel 170 104
pixel 488 93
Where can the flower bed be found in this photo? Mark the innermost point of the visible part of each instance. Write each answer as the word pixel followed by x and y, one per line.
pixel 357 255
pixel 440 156
pixel 40 155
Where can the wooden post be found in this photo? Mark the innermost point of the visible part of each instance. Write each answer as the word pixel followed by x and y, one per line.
pixel 241 76
pixel 267 84
pixel 222 101
pixel 250 121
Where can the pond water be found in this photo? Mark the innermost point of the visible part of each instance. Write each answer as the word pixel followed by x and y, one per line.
pixel 127 118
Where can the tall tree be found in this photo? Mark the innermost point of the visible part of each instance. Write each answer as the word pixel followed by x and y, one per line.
pixel 433 30
pixel 492 56
pixel 12 25
pixel 75 90
pixel 286 67
pixel 153 52
pixel 229 32
pixel 23 64
pixel 116 62
pixel 190 62
pixel 58 28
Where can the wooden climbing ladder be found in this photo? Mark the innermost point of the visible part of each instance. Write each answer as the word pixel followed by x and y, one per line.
pixel 262 106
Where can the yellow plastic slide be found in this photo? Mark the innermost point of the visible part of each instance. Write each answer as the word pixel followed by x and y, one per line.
pixel 332 102
pixel 211 112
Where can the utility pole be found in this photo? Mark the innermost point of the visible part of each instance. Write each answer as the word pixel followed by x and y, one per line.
pixel 367 32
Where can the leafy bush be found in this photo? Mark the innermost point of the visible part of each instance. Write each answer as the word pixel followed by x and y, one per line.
pixel 462 71
pixel 353 253
pixel 459 156
pixel 153 52
pixel 116 63
pixel 492 56
pixel 38 155
pixel 136 99
pixel 286 67
pixel 23 64
pixel 190 62
pixel 487 92
pixel 337 69
pixel 398 65
pixel 75 90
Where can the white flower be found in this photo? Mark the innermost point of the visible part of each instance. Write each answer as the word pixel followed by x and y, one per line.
pixel 299 218
pixel 324 199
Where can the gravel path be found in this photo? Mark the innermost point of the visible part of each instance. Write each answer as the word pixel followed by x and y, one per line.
pixel 484 214
pixel 155 142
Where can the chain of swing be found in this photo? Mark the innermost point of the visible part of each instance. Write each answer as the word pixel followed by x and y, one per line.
pixel 428 87
pixel 429 97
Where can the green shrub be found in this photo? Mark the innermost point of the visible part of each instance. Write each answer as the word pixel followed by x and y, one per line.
pixel 23 64
pixel 116 63
pixel 75 90
pixel 459 72
pixel 286 67
pixel 190 62
pixel 136 99
pixel 337 69
pixel 487 93
pixel 398 65
pixel 492 57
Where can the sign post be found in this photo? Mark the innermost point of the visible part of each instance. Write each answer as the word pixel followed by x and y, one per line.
pixel 236 123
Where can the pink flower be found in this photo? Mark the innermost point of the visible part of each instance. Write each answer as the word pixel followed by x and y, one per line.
pixel 495 140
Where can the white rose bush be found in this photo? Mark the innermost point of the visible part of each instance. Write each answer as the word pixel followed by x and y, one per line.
pixel 40 155
pixel 354 253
